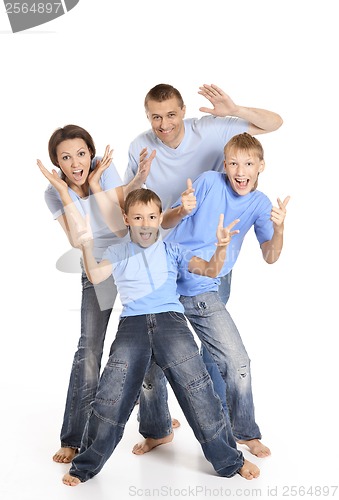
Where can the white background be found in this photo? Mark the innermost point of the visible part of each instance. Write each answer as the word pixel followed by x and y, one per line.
pixel 93 67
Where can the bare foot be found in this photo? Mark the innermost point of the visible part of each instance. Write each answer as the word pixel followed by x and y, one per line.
pixel 149 443
pixel 175 423
pixel 257 448
pixel 65 455
pixel 249 471
pixel 70 480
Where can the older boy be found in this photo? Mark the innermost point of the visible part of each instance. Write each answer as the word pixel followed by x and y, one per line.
pixel 234 194
pixel 152 327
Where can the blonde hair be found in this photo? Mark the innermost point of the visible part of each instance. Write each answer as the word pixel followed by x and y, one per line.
pixel 245 142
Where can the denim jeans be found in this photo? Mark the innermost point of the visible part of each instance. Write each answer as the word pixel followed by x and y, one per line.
pixel 220 337
pixel 224 291
pixel 96 307
pixel 216 330
pixel 165 339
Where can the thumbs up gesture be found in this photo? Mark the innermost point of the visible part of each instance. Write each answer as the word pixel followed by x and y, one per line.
pixel 188 200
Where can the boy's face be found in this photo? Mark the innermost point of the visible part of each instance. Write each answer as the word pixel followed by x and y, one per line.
pixel 144 222
pixel 242 169
pixel 166 119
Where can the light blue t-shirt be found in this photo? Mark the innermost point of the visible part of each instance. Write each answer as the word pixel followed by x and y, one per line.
pixel 201 149
pixel 197 231
pixel 103 236
pixel 146 278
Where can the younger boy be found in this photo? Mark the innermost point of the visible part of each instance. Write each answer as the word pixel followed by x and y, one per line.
pixel 152 327
pixel 234 194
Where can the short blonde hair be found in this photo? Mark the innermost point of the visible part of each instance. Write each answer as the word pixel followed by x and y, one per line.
pixel 245 142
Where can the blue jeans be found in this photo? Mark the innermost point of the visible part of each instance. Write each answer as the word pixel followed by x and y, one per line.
pixel 219 336
pixel 165 339
pixel 212 368
pixel 96 307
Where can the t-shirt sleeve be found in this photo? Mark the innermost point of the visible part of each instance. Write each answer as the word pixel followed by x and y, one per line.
pixel 201 186
pixel 263 226
pixel 109 178
pixel 115 254
pixel 53 201
pixel 181 254
pixel 229 126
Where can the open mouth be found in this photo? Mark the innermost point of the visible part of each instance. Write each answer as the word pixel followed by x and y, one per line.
pixel 145 236
pixel 77 174
pixel 241 182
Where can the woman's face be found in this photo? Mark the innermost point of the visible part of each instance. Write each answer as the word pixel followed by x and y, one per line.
pixel 74 159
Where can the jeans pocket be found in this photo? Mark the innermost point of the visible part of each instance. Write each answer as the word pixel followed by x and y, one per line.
pixel 112 382
pixel 206 405
pixel 180 318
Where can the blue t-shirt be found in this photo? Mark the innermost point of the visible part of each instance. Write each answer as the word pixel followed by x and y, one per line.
pixel 201 149
pixel 103 236
pixel 197 231
pixel 146 278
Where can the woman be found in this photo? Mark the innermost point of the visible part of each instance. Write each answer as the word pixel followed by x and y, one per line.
pixel 86 186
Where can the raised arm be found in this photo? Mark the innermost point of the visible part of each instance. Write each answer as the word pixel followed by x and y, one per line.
pixel 271 249
pixel 71 213
pixel 213 267
pixel 96 272
pixel 261 120
pixel 111 201
pixel 172 216
pixel 140 177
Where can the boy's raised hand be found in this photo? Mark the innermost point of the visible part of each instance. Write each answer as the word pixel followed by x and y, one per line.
pixel 188 200
pixel 83 230
pixel 278 213
pixel 224 234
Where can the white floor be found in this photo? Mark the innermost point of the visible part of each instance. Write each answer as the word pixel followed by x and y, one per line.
pixel 298 421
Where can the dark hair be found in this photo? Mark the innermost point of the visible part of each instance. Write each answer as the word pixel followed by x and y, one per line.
pixel 163 92
pixel 143 196
pixel 65 133
pixel 245 142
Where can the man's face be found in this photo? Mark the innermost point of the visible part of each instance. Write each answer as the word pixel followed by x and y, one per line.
pixel 166 120
pixel 242 169
pixel 144 222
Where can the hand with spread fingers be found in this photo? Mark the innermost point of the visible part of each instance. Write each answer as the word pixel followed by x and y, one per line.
pixel 54 178
pixel 145 163
pixel 224 234
pixel 222 103
pixel 100 167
